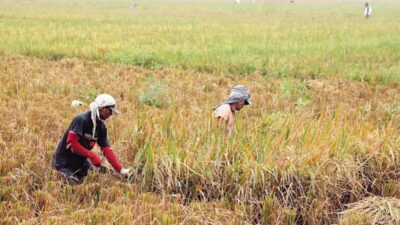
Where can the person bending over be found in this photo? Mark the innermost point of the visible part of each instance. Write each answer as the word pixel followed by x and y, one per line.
pixel 225 111
pixel 74 157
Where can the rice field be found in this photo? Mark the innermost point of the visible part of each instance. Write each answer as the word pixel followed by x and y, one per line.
pixel 319 145
pixel 274 39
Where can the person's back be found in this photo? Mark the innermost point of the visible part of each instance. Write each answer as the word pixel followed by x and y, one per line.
pixel 225 112
pixel 82 126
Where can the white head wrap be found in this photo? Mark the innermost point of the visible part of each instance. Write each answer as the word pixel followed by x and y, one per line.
pixel 101 101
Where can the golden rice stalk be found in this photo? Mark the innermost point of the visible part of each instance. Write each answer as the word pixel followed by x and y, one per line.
pixel 373 210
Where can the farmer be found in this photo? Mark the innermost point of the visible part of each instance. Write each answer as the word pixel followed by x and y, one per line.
pixel 367 10
pixel 225 112
pixel 73 156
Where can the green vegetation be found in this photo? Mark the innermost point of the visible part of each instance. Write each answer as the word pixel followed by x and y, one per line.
pixel 319 145
pixel 155 94
pixel 273 39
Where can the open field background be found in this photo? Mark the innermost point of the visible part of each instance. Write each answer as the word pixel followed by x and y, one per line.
pixel 275 39
pixel 323 130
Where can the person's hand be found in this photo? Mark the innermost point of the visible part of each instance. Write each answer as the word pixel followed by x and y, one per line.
pixel 126 172
pixel 103 169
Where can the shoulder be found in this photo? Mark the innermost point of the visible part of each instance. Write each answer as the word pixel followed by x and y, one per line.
pixel 84 116
pixel 223 111
pixel 101 126
pixel 223 108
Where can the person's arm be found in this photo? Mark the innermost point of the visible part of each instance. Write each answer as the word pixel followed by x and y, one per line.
pixel 224 116
pixel 220 122
pixel 111 158
pixel 228 123
pixel 229 127
pixel 104 144
pixel 72 142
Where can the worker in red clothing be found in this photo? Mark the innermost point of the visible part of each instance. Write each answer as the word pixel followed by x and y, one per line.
pixel 73 156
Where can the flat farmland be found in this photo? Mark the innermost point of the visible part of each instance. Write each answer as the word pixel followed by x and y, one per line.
pixel 278 39
pixel 319 145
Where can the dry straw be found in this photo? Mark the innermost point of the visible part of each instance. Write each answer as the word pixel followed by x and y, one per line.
pixel 373 210
pixel 300 154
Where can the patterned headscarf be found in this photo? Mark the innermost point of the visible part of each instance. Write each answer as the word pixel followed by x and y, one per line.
pixel 238 93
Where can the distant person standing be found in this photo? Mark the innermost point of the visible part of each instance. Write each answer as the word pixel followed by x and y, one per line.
pixel 226 111
pixel 367 11
pixel 133 6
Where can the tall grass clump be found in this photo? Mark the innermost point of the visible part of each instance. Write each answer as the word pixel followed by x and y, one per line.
pixel 155 93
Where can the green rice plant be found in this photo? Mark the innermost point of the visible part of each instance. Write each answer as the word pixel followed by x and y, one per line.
pixel 290 217
pixel 164 218
pixel 89 95
pixel 155 94
pixel 295 90
pixel 270 210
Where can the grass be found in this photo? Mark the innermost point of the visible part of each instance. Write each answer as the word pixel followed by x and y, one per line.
pixel 155 93
pixel 277 40
pixel 286 162
pixel 318 145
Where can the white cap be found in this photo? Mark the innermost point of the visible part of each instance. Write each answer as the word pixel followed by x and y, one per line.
pixel 101 101
pixel 106 100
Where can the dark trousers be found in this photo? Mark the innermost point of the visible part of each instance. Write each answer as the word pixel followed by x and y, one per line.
pixel 74 175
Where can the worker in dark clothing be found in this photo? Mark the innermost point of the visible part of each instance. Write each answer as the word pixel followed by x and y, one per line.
pixel 73 156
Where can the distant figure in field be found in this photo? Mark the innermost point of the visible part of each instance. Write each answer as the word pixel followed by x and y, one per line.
pixel 367 10
pixel 225 112
pixel 133 6
pixel 237 1
pixel 74 157
pixel 76 103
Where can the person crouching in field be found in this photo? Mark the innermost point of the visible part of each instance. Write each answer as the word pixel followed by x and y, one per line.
pixel 225 112
pixel 73 152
